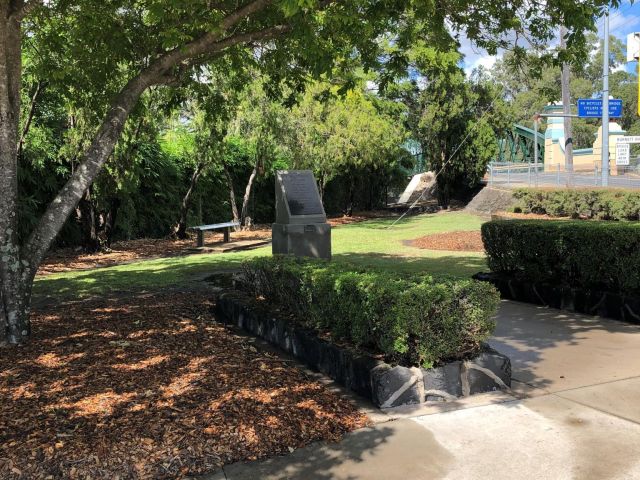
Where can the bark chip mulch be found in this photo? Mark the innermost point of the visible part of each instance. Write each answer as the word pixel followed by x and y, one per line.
pixel 150 386
pixel 452 241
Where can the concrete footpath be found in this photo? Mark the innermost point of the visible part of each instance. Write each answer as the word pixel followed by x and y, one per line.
pixel 573 413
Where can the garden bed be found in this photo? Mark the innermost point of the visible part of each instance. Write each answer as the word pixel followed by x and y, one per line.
pixel 460 241
pixel 395 339
pixel 384 384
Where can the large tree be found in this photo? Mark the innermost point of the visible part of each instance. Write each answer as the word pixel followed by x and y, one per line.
pixel 344 135
pixel 122 48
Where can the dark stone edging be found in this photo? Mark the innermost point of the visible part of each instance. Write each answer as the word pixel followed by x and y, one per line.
pixel 590 302
pixel 383 384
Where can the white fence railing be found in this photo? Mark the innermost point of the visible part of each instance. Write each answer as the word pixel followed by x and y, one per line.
pixel 531 174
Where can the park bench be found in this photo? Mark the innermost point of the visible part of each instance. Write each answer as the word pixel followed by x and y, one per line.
pixel 200 229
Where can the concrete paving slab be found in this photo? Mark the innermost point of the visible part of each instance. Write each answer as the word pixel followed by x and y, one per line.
pixel 402 449
pixel 540 438
pixel 555 350
pixel 619 398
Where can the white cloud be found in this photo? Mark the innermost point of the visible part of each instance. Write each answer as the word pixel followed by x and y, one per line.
pixel 486 61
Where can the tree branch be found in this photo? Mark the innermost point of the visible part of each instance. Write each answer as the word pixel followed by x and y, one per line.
pixel 27 125
pixel 107 135
pixel 24 9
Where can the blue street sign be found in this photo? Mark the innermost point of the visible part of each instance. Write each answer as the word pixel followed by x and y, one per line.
pixel 592 107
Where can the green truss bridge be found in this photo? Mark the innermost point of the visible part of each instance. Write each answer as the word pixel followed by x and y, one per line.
pixel 516 146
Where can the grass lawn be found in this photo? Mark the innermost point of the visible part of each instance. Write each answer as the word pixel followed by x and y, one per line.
pixel 368 243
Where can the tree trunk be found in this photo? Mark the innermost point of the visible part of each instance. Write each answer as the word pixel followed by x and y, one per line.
pixel 247 194
pixel 110 220
pixel 88 224
pixel 27 124
pixel 352 188
pixel 180 230
pixel 232 194
pixel 15 268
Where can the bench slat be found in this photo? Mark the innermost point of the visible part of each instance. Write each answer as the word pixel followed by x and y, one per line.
pixel 215 226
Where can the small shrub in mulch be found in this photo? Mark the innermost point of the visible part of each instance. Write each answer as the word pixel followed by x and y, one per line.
pixel 452 241
pixel 151 387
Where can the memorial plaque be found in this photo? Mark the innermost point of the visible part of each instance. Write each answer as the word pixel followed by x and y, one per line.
pixel 297 198
pixel 301 227
pixel 302 193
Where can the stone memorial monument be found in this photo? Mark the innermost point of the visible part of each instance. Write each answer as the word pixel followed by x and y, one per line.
pixel 301 227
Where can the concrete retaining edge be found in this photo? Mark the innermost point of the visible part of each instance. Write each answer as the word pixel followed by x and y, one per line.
pixel 589 302
pixel 385 385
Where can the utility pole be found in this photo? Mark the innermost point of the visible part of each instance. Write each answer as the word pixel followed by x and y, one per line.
pixel 605 102
pixel 566 105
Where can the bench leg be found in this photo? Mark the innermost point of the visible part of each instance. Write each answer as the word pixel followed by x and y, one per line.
pixel 226 235
pixel 200 238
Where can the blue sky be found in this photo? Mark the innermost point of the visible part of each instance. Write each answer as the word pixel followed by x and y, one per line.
pixel 622 21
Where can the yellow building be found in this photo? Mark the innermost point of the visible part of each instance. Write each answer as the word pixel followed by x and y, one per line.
pixel 584 159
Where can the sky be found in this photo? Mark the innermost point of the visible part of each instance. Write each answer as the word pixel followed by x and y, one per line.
pixel 622 21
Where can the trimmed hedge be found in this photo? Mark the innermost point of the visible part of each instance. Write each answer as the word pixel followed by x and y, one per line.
pixel 578 203
pixel 411 320
pixel 601 256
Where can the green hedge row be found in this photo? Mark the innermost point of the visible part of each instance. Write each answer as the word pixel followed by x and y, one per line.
pixel 412 320
pixel 590 204
pixel 572 253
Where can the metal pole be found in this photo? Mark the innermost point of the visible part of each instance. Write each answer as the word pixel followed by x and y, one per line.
pixel 535 147
pixel 605 102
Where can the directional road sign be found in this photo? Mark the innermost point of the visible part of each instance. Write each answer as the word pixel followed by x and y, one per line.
pixel 592 108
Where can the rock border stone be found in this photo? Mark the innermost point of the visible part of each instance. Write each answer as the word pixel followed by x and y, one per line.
pixel 385 385
pixel 589 302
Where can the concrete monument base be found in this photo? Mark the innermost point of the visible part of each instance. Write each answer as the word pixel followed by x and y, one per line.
pixel 302 240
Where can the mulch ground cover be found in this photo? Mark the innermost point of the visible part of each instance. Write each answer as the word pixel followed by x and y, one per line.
pixel 452 241
pixel 149 386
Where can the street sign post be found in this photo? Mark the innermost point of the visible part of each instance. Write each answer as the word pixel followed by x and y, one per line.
pixel 592 108
pixel 622 153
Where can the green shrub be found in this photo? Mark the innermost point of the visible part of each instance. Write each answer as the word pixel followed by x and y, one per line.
pixel 598 204
pixel 412 320
pixel 571 253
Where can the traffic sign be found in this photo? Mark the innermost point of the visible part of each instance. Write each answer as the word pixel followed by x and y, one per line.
pixel 622 153
pixel 629 139
pixel 592 107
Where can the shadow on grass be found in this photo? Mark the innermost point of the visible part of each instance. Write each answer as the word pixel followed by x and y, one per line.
pixel 132 277
pixel 458 266
pixel 176 272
